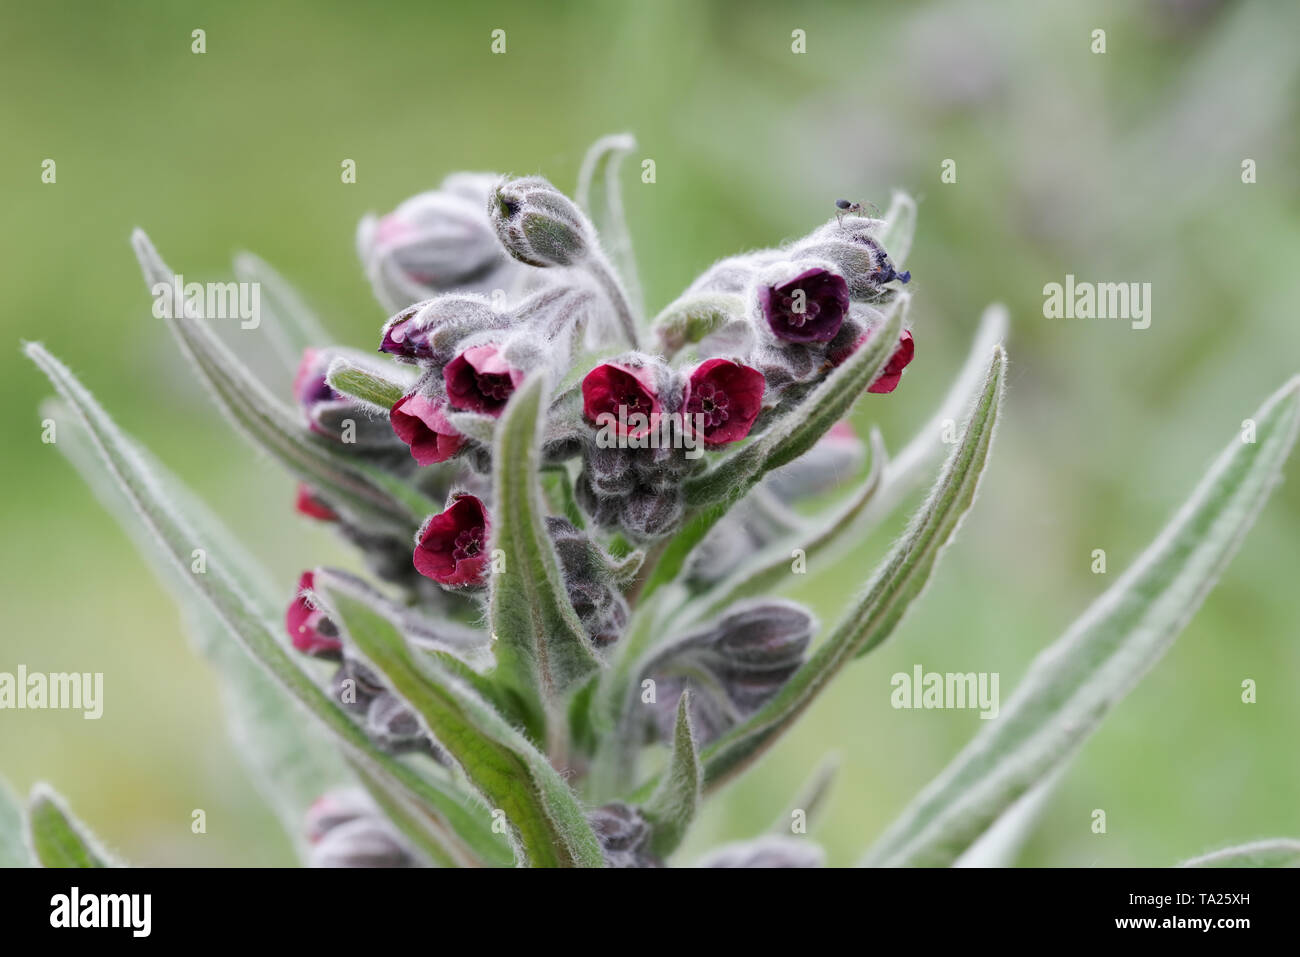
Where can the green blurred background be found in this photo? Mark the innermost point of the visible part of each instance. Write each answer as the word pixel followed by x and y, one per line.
pixel 1116 167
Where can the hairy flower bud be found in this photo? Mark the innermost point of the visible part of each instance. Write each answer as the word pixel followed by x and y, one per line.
pixel 801 301
pixel 539 225
pixel 771 851
pixel 724 398
pixel 422 424
pixel 364 841
pixel 480 380
pixel 624 836
pixel 434 242
pixel 857 255
pixel 589 582
pixel 451 547
pixel 310 630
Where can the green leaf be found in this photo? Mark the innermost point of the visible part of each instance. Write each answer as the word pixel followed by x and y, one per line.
pixel 1275 852
pixel 689 319
pixel 465 834
pixel 325 465
pixel 289 321
pixel 57 838
pixel 890 592
pixel 770 569
pixel 672 806
pixel 14 850
pixel 291 763
pixel 601 196
pixel 1073 684
pixel 811 797
pixel 1000 845
pixel 542 650
pixel 547 825
pixel 900 227
pixel 365 384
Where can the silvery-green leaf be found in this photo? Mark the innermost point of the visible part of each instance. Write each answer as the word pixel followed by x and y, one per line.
pixel 540 643
pixel 465 837
pixel 693 317
pixel 1073 684
pixel 288 320
pixel 14 849
pixel 1000 845
pixel 811 797
pixel 671 808
pixel 900 227
pixel 320 462
pixel 379 390
pixel 474 425
pixel 57 838
pixel 546 823
pixel 897 582
pixel 1275 852
pixel 601 196
pixel 291 763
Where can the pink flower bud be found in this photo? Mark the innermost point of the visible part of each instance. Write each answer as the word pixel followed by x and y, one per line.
pixel 312 506
pixel 309 629
pixel 480 380
pixel 451 547
pixel 420 422
pixel 728 395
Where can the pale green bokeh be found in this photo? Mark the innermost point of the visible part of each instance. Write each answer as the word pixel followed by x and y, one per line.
pixel 1123 166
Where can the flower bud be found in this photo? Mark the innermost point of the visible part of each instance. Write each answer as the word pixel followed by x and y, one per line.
pixel 422 424
pixel 367 841
pixel 434 242
pixel 856 255
pixel 538 224
pixel 770 851
pixel 801 302
pixel 308 627
pixel 480 380
pixel 726 397
pixel 430 330
pixel 624 836
pixel 451 547
pixel 310 504
pixel 589 582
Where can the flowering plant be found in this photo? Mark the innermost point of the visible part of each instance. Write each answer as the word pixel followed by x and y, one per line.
pixel 575 517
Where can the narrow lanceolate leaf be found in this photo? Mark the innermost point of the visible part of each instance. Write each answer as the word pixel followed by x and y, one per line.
pixel 1000 845
pixel 900 227
pixel 547 824
pixel 601 195
pixel 14 848
pixel 271 423
pixel 291 763
pixel 1071 686
pixel 1276 852
pixel 365 384
pixel 888 595
pixel 811 798
pixel 908 468
pixel 288 320
pixel 672 806
pixel 771 568
pixel 57 838
pixel 462 832
pixel 540 643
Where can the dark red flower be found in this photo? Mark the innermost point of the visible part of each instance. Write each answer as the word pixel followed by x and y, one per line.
pixel 480 380
pixel 620 391
pixel 728 395
pixel 309 629
pixel 452 545
pixel 887 381
pixel 420 422
pixel 403 338
pixel 310 504
pixel 814 316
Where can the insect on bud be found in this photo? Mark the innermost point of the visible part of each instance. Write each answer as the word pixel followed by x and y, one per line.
pixel 539 225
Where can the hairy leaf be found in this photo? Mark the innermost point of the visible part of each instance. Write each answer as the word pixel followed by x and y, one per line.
pixel 14 849
pixel 1275 852
pixel 57 838
pixel 672 806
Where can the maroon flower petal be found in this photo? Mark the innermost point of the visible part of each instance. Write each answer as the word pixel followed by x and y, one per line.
pixel 451 548
pixel 888 379
pixel 310 505
pixel 728 396
pixel 421 424
pixel 825 303
pixel 620 391
pixel 480 380
pixel 404 339
pixel 309 629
